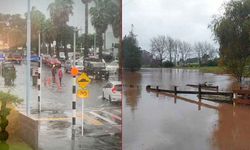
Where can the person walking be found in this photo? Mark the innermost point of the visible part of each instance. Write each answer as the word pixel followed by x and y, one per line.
pixel 60 75
pixel 53 71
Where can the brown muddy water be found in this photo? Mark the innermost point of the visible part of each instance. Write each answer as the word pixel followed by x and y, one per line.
pixel 157 122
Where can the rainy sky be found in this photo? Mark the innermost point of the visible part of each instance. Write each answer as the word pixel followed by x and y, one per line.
pixel 183 19
pixel 20 6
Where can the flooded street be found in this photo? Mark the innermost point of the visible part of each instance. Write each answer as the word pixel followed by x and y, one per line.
pixel 158 122
pixel 102 119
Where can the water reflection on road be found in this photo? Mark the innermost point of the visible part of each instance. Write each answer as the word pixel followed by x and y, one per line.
pixel 152 121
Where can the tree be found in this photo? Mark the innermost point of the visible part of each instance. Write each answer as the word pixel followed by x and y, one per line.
pixel 159 48
pixel 101 16
pixel 86 40
pixel 5 99
pixel 132 53
pixel 184 49
pixel 86 3
pixel 204 50
pixel 49 33
pixel 170 47
pixel 12 30
pixel 37 24
pixel 60 10
pixel 232 32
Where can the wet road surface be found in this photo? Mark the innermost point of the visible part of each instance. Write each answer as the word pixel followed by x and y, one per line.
pixel 102 119
pixel 159 122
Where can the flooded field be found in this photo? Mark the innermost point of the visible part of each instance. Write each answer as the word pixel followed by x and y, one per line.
pixel 158 121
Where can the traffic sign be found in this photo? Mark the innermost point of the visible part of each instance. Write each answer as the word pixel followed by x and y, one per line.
pixel 83 80
pixel 83 93
pixel 74 71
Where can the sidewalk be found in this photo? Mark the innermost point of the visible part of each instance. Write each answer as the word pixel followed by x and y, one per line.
pixel 55 132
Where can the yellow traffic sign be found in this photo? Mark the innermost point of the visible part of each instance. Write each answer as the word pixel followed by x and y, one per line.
pixel 83 93
pixel 83 80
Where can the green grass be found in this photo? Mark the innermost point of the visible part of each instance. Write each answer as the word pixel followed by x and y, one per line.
pixel 214 69
pixel 14 146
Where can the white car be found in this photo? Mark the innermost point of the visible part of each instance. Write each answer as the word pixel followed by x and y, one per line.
pixel 78 65
pixel 113 67
pixel 112 91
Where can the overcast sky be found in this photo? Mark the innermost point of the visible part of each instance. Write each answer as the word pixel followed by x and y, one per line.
pixel 183 19
pixel 20 7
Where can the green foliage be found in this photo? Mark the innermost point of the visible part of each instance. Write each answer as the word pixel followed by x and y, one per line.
pixel 86 40
pixel 102 14
pixel 168 64
pixel 132 53
pixel 37 24
pixel 12 30
pixel 232 33
pixel 6 98
pixel 60 10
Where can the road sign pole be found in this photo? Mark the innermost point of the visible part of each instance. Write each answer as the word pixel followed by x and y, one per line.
pixel 39 72
pixel 82 114
pixel 74 101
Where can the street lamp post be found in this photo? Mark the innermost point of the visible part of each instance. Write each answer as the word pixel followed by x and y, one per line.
pixel 28 45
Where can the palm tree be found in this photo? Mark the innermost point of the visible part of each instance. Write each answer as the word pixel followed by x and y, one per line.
pixel 49 33
pixel 101 16
pixel 60 10
pixel 86 3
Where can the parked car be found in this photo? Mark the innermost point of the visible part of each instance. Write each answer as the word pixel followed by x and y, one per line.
pixel 2 57
pixel 15 57
pixel 112 91
pixel 78 65
pixel 113 67
pixel 96 69
pixel 34 58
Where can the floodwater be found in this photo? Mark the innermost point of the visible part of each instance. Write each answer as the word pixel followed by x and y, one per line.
pixel 158 121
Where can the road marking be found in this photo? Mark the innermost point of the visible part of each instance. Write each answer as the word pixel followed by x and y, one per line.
pixel 112 115
pixel 90 120
pixel 119 111
pixel 103 118
pixel 53 119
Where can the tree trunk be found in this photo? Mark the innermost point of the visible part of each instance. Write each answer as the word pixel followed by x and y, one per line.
pixel 65 51
pixel 50 51
pixel 99 42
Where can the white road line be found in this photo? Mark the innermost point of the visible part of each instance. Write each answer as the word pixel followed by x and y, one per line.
pixel 119 111
pixel 103 118
pixel 113 115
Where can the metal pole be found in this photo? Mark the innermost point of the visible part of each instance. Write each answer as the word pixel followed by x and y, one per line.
pixel 82 114
pixel 74 53
pixel 74 94
pixel 39 72
pixel 73 106
pixel 28 45
pixel 94 43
